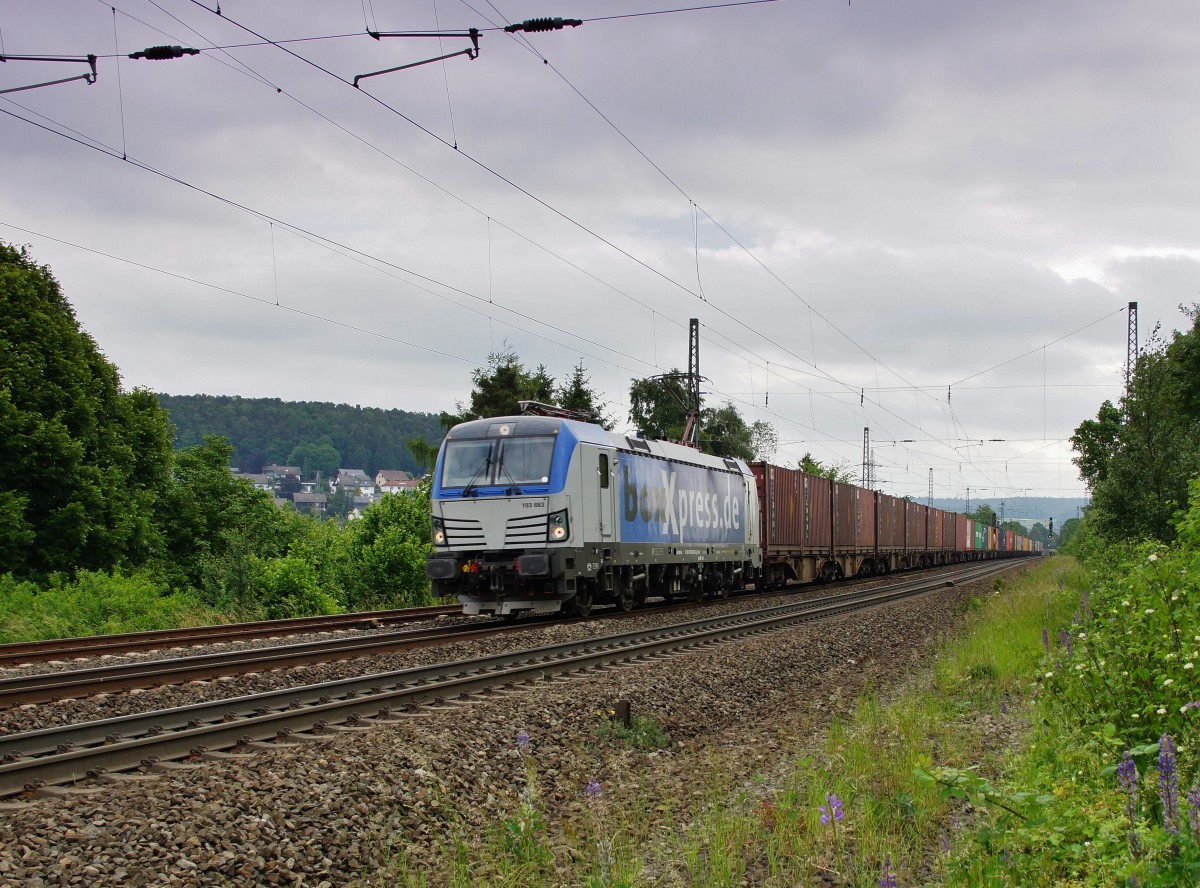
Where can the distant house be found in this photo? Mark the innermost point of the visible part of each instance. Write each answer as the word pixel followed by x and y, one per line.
pixel 350 479
pixel 280 471
pixel 390 481
pixel 310 502
pixel 261 482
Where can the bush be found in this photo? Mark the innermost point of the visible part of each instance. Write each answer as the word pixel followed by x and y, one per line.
pixel 94 603
pixel 288 587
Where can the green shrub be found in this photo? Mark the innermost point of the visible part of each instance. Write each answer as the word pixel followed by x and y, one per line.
pixel 288 587
pixel 94 603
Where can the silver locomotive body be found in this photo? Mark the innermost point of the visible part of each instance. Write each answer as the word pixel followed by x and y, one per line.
pixel 546 514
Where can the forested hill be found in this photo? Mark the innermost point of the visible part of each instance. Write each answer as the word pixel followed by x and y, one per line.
pixel 299 433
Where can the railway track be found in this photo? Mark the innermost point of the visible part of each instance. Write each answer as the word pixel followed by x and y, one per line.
pixel 21 653
pixel 33 760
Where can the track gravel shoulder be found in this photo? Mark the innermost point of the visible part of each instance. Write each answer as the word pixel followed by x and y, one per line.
pixel 344 809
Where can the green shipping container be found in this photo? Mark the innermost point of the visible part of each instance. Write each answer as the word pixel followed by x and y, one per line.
pixel 981 536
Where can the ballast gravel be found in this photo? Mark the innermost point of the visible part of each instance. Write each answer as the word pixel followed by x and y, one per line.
pixel 368 805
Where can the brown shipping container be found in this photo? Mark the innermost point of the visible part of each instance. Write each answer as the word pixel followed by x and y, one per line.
pixel 844 518
pixel 935 529
pixel 781 506
pixel 948 531
pixel 962 533
pixel 914 530
pixel 818 515
pixel 864 507
pixel 891 523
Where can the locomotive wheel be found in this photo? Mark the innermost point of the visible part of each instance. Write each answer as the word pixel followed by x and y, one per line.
pixel 581 604
pixel 626 600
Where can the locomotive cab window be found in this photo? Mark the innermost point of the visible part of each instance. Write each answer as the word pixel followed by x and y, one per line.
pixel 524 460
pixel 604 471
pixel 492 461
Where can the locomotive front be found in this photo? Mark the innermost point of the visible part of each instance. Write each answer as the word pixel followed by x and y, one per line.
pixel 502 518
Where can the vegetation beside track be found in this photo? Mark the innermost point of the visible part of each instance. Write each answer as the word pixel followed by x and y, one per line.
pixel 979 770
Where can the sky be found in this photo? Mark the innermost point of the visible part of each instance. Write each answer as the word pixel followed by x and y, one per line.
pixel 925 219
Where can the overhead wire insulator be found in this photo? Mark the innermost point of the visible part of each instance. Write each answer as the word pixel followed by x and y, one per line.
pixel 158 53
pixel 530 26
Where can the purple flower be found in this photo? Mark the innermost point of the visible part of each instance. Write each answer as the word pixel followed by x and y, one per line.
pixel 1046 639
pixel 592 789
pixel 1127 774
pixel 1191 704
pixel 1168 784
pixel 888 879
pixel 1004 705
pixel 522 741
pixel 834 810
pixel 1064 638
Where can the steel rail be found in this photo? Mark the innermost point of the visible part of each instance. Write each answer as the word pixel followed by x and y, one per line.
pixel 155 639
pixel 46 687
pixel 69 753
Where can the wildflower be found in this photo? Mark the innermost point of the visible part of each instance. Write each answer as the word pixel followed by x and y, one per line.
pixel 1187 665
pixel 1168 784
pixel 1049 675
pixel 834 812
pixel 1162 710
pixel 1191 704
pixel 592 789
pixel 1149 611
pixel 1125 603
pixel 1046 639
pixel 888 879
pixel 1127 776
pixel 1154 556
pixel 1168 682
pixel 522 741
pixel 1064 638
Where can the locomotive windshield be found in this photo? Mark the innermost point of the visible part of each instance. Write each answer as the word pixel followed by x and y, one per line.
pixel 508 461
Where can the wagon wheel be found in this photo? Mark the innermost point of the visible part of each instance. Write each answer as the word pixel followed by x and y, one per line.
pixel 581 604
pixel 626 599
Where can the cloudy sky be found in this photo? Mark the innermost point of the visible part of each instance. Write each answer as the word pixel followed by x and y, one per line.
pixel 868 206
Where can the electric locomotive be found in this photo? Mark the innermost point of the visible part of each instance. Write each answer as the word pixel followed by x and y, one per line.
pixel 545 513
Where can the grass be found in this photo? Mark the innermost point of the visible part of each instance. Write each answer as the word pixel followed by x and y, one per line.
pixel 969 709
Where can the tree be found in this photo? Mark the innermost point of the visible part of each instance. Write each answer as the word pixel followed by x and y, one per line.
pixel 499 387
pixel 985 514
pixel 577 394
pixel 764 441
pixel 658 406
pixel 723 432
pixel 387 551
pixel 215 523
pixel 316 457
pixel 1138 459
pixel 1070 527
pixel 423 452
pixel 82 463
pixel 834 472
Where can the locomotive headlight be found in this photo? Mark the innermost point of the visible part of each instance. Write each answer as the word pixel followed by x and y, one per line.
pixel 439 532
pixel 558 528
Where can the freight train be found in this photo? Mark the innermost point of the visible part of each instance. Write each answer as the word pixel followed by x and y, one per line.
pixel 545 513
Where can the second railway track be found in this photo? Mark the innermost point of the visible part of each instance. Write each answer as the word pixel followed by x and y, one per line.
pixel 69 753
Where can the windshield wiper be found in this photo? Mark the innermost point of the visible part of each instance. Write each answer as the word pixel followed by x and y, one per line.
pixel 469 490
pixel 511 491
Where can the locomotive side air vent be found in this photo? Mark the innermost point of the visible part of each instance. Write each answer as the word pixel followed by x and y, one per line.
pixel 638 444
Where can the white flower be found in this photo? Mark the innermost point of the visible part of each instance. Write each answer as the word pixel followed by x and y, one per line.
pixel 1175 597
pixel 1079 667
pixel 1162 710
pixel 1125 603
pixel 1083 635
pixel 1049 675
pixel 1154 556
pixel 1135 715
pixel 1187 665
pixel 1149 611
pixel 1168 682
pixel 1125 674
